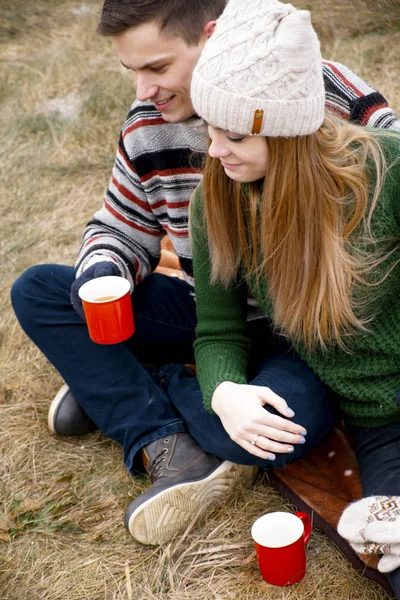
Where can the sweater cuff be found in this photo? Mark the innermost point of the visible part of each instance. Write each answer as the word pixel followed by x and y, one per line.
pixel 96 258
pixel 220 364
pixel 233 378
pixel 362 109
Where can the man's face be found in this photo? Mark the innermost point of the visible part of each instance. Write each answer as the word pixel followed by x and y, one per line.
pixel 163 67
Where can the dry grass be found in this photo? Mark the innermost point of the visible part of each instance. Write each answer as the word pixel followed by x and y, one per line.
pixel 61 536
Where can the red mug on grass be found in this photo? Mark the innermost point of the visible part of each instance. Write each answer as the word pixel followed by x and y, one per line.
pixel 280 539
pixel 108 309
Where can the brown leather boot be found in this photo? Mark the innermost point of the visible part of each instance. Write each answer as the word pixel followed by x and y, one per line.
pixel 185 481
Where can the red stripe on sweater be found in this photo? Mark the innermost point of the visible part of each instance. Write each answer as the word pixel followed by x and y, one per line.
pixel 179 234
pixel 169 172
pixel 337 111
pixel 371 110
pixel 132 224
pixel 144 205
pixel 92 240
pixel 130 196
pixel 136 266
pixel 344 79
pixel 183 204
pixel 142 123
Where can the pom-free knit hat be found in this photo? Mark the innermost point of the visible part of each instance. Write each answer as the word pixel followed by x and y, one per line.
pixel 261 71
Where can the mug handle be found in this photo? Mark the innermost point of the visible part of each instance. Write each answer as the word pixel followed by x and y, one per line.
pixel 307 525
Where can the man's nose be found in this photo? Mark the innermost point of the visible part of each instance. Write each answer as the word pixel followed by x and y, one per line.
pixel 145 90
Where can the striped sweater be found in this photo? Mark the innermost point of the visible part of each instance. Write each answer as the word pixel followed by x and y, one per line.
pixel 158 166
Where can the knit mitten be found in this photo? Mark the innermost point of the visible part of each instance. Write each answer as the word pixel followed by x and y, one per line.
pixel 391 554
pixel 372 526
pixel 100 269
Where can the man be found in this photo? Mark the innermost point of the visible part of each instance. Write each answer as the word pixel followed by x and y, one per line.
pixel 154 415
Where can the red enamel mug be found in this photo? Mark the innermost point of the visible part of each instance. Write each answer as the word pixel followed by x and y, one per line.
pixel 108 310
pixel 280 539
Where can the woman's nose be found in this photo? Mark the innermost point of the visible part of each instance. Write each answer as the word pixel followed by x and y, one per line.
pixel 218 149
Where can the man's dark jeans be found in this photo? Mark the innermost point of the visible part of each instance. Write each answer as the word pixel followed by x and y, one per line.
pixel 134 405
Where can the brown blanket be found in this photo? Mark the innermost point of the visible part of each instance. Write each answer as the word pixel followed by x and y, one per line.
pixel 324 482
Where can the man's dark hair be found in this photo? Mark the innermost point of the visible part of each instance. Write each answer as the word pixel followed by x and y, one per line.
pixel 183 18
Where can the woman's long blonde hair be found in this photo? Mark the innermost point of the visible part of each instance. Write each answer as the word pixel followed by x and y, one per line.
pixel 298 233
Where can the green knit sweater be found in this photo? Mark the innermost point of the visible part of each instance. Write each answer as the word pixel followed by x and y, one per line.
pixel 367 378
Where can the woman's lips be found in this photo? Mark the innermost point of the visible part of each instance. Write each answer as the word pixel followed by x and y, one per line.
pixel 230 166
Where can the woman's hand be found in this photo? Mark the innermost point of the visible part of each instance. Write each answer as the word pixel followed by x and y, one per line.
pixel 242 413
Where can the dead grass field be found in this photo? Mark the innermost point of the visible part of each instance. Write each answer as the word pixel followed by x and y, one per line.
pixel 63 98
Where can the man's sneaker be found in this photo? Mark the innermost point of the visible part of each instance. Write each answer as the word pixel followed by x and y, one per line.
pixel 66 417
pixel 185 481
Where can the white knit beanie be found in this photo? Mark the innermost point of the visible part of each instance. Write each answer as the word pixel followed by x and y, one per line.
pixel 260 73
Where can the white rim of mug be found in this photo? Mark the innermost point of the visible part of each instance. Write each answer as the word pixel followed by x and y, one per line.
pixel 110 285
pixel 275 521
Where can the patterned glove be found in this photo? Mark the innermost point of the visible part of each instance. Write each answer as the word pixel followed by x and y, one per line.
pixel 372 526
pixel 100 269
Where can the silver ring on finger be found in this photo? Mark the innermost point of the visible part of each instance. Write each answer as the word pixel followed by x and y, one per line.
pixel 253 442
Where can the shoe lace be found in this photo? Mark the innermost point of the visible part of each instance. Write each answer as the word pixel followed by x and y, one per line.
pixel 156 467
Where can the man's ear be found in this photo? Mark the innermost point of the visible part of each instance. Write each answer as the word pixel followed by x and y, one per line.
pixel 209 29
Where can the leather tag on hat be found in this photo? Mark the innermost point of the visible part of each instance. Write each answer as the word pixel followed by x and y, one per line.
pixel 257 121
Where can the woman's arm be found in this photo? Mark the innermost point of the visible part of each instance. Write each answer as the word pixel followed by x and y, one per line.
pixel 222 346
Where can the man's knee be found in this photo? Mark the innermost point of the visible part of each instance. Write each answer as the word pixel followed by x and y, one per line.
pixel 25 287
pixel 37 285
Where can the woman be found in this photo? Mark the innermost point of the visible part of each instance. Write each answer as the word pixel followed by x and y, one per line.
pixel 302 210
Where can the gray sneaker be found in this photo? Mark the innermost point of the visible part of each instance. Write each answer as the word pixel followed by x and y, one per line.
pixel 185 481
pixel 66 417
